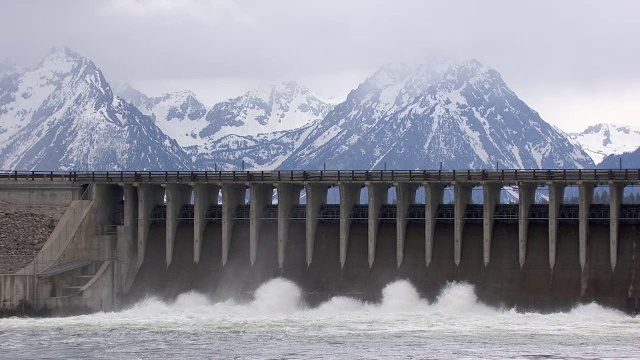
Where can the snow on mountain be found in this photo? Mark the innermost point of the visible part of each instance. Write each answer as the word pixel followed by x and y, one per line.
pixel 259 152
pixel 180 115
pixel 134 97
pixel 462 115
pixel 602 140
pixel 286 106
pixel 62 115
pixel 626 160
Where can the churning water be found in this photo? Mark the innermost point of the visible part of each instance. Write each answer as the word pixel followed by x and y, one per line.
pixel 276 324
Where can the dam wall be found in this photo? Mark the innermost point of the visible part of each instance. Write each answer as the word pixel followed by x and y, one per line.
pixel 514 234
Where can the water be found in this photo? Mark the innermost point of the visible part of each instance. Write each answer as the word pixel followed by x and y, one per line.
pixel 278 325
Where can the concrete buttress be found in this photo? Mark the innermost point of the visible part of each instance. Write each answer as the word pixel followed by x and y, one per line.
pixel 526 195
pixel 491 195
pixel 316 196
pixel 377 194
pixel 434 194
pixel 204 195
pixel 260 197
pixel 128 241
pixel 585 198
pixel 406 194
pixel 288 197
pixel 148 197
pixel 616 192
pixel 349 195
pixel 232 197
pixel 462 199
pixel 556 198
pixel 177 196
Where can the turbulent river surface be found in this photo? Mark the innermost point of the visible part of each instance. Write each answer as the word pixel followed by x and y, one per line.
pixel 276 324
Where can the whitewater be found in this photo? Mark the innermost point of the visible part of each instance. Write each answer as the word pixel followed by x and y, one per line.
pixel 277 324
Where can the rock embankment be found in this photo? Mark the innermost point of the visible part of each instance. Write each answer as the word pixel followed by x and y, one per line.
pixel 23 232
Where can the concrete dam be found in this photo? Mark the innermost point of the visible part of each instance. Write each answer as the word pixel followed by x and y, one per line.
pixel 514 234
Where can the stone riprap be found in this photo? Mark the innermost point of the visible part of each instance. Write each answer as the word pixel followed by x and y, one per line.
pixel 23 232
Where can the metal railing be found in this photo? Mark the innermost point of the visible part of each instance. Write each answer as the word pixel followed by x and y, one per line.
pixel 330 176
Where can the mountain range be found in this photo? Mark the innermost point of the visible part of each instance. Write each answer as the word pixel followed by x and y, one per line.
pixel 63 115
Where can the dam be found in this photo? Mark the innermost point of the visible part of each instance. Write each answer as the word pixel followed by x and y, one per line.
pixel 514 235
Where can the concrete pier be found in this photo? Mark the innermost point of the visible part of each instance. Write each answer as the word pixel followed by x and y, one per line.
pixel 406 194
pixel 556 198
pixel 127 242
pixel 349 196
pixel 260 197
pixel 434 195
pixel 585 191
pixel 491 195
pixel 149 196
pixel 288 197
pixel 462 199
pixel 378 194
pixel 526 197
pixel 616 191
pixel 177 197
pixel 316 196
pixel 204 195
pixel 232 197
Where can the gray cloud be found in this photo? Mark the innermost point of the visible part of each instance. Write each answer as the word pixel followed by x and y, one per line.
pixel 558 55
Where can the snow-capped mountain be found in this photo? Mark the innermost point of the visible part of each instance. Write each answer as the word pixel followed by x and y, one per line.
pixel 62 115
pixel 286 106
pixel 463 115
pixel 134 97
pixel 180 115
pixel 626 160
pixel 602 140
pixel 259 152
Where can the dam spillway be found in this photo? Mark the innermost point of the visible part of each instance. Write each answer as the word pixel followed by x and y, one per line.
pixel 226 232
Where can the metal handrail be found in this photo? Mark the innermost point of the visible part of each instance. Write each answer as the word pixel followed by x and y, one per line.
pixel 512 176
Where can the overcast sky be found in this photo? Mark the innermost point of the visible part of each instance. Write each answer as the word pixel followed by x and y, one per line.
pixel 575 62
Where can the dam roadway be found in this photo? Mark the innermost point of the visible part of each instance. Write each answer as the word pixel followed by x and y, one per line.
pixel 514 234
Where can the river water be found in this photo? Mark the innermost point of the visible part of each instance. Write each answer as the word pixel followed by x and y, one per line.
pixel 277 325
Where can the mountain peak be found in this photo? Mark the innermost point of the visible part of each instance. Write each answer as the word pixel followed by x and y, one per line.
pixel 61 59
pixel 602 140
pixel 287 105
